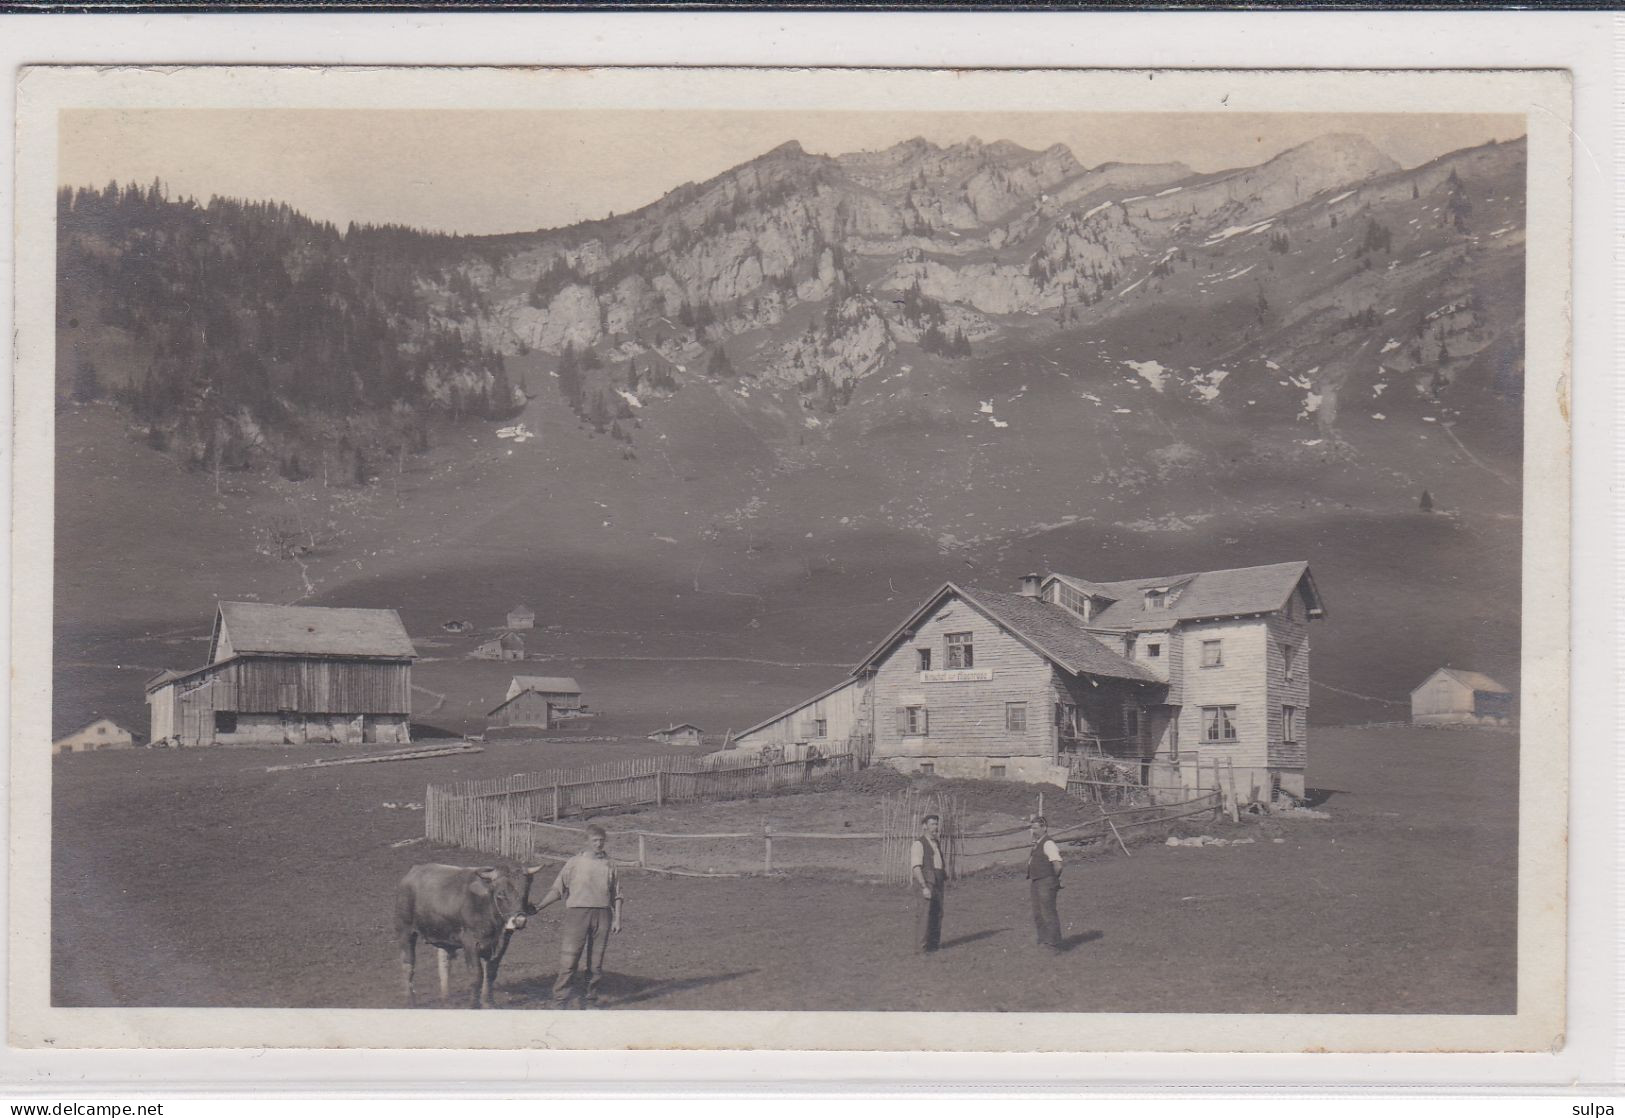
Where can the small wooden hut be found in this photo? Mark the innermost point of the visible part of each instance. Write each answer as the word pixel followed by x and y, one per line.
pixel 1453 696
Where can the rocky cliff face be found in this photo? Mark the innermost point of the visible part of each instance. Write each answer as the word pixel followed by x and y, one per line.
pixel 816 273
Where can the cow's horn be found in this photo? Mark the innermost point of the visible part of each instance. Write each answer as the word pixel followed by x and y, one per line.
pixel 532 871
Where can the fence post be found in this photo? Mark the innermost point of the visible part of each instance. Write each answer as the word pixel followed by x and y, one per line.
pixel 555 801
pixel 641 861
pixel 767 832
pixel 660 788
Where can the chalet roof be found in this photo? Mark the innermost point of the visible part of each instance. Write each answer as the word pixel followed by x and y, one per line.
pixel 1050 630
pixel 92 724
pixel 522 608
pixel 1083 585
pixel 1476 681
pixel 1202 594
pixel 678 726
pixel 803 704
pixel 548 684
pixel 162 678
pixel 1058 633
pixel 256 627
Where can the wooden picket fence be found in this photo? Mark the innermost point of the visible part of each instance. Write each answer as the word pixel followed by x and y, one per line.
pixel 488 814
pixel 883 854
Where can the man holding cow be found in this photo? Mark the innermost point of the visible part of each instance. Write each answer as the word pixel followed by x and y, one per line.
pixel 592 912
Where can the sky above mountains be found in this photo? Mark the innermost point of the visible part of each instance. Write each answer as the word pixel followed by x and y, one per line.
pixel 509 171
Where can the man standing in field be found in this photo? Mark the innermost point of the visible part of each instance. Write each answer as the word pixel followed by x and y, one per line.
pixel 592 911
pixel 1044 881
pixel 930 878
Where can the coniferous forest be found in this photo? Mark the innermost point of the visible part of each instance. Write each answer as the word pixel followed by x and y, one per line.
pixel 239 331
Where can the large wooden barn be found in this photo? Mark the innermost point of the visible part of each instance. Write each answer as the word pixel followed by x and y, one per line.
pixel 287 675
pixel 1166 675
pixel 1454 696
pixel 539 701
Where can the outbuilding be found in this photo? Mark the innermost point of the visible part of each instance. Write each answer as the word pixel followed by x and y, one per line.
pixel 101 734
pixel 509 646
pixel 521 617
pixel 1454 696
pixel 287 675
pixel 539 701
pixel 683 733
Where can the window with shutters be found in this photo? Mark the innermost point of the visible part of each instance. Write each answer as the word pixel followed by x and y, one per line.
pixel 1015 717
pixel 1219 724
pixel 960 652
pixel 925 659
pixel 1289 725
pixel 913 721
pixel 1212 654
pixel 820 728
pixel 1289 660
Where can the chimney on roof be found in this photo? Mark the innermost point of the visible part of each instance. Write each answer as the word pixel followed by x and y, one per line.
pixel 1030 584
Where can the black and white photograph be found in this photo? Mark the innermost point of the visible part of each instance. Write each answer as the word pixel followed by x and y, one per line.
pixel 944 551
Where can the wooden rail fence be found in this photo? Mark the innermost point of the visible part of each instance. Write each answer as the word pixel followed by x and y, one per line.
pixel 489 821
pixel 484 814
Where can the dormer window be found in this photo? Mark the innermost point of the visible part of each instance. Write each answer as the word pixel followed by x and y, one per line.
pixel 1156 599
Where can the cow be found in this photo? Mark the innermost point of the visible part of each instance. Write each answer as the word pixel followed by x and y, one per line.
pixel 457 908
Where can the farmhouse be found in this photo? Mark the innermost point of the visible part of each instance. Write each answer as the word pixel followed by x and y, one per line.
pixel 539 700
pixel 1452 696
pixel 509 646
pixel 1169 674
pixel 684 733
pixel 286 675
pixel 101 734
pixel 521 617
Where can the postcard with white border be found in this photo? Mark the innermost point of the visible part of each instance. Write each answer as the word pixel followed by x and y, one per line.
pixel 823 559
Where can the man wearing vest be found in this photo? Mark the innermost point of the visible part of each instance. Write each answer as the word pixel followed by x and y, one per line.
pixel 930 878
pixel 1044 881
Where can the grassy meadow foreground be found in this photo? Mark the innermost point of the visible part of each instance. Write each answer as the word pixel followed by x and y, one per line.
pixel 200 879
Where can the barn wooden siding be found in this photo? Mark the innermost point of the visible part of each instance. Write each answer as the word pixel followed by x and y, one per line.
pixel 965 718
pixel 313 686
pixel 844 711
pixel 162 704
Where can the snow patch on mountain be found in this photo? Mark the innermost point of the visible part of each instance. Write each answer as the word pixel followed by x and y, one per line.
pixel 1151 372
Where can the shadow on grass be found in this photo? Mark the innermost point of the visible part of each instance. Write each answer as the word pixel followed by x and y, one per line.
pixel 960 941
pixel 1314 797
pixel 615 990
